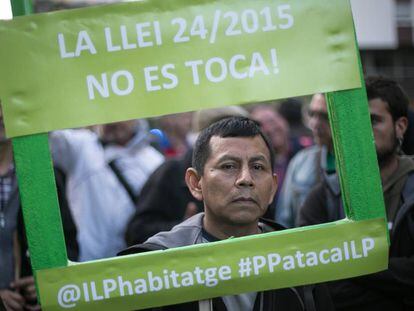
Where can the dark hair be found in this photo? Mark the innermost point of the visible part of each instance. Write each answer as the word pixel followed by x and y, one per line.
pixel 390 92
pixel 228 127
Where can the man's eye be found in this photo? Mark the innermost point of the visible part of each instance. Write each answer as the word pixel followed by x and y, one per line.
pixel 375 120
pixel 228 166
pixel 258 167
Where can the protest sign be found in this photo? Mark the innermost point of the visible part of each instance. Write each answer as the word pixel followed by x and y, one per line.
pixel 141 59
pixel 278 259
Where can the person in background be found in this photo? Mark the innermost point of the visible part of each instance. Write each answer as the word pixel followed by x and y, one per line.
pixel 129 154
pixel 17 286
pixel 391 289
pixel 171 135
pixel 408 143
pixel 104 177
pixel 292 110
pixel 165 200
pixel 308 166
pixel 276 128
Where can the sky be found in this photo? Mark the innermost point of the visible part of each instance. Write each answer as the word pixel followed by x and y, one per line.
pixel 5 10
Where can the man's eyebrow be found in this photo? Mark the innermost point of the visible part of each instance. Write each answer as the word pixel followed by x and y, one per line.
pixel 375 115
pixel 229 157
pixel 259 158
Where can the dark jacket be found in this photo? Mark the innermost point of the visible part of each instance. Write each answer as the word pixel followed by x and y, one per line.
pixel 392 289
pixel 190 232
pixel 14 223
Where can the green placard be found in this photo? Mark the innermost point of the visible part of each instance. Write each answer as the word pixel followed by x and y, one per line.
pixel 276 260
pixel 141 59
pixel 348 113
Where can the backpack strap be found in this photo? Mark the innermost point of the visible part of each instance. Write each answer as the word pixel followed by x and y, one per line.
pixel 123 181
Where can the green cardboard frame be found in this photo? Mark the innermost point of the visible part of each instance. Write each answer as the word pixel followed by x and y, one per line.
pixel 354 152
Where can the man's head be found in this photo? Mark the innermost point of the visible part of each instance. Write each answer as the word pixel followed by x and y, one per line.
pixel 273 125
pixel 232 173
pixel 319 122
pixel 388 107
pixel 228 127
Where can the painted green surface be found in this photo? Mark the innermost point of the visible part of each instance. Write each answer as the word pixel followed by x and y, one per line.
pixel 355 153
pixel 278 259
pixel 40 205
pixel 312 42
pixel 354 150
pixel 21 7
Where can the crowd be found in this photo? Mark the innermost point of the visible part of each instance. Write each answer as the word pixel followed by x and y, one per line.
pixel 211 175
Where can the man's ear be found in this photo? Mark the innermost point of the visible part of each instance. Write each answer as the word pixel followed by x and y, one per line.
pixel 192 179
pixel 274 187
pixel 400 127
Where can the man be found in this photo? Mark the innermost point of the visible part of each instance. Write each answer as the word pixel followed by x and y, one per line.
pixel 103 179
pixel 391 289
pixel 307 166
pixel 129 154
pixel 277 129
pixel 233 175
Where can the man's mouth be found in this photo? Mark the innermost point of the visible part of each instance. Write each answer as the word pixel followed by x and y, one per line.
pixel 244 199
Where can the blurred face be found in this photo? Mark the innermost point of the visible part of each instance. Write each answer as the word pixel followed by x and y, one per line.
pixel 119 132
pixel 319 122
pixel 273 126
pixel 179 123
pixel 237 184
pixel 386 131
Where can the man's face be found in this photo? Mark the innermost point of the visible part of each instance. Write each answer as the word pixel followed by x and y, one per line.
pixel 273 125
pixel 238 183
pixel 385 129
pixel 318 121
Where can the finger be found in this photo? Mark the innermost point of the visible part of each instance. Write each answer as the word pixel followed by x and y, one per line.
pixel 30 292
pixel 32 307
pixel 23 282
pixel 13 301
pixel 13 296
pixel 30 296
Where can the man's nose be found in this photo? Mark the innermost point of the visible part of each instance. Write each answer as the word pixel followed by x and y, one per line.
pixel 245 178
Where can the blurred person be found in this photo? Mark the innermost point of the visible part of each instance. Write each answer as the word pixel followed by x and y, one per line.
pixel 104 178
pixel 391 289
pixel 171 136
pixel 308 166
pixel 17 286
pixel 232 174
pixel 292 110
pixel 129 154
pixel 277 129
pixel 165 199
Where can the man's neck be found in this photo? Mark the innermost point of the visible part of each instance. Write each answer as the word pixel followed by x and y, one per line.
pixel 223 231
pixel 6 156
